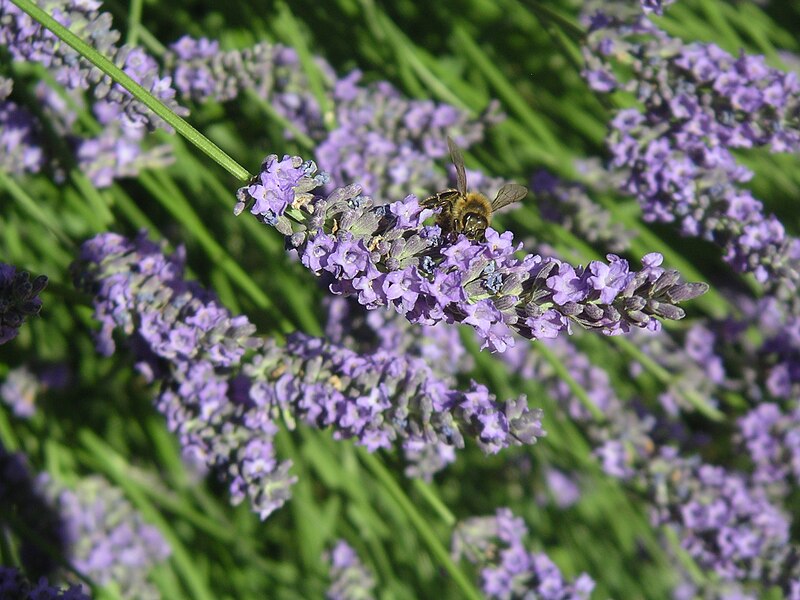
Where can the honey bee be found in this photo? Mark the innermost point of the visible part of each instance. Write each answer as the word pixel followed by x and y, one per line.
pixel 466 212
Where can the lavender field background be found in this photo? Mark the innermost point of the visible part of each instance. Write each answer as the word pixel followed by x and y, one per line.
pixel 239 359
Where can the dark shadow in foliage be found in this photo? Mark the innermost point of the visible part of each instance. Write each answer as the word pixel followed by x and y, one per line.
pixel 25 511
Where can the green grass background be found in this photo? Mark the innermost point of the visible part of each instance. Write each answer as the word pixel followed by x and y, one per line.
pixel 466 52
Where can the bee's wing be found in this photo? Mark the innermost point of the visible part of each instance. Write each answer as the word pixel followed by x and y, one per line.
pixel 508 194
pixel 458 163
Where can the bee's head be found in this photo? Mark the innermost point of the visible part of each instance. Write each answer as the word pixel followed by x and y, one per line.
pixel 474 225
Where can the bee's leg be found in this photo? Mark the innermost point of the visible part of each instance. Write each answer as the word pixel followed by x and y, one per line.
pixel 432 202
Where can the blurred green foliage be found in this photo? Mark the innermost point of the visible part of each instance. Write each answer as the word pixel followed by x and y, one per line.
pixel 464 52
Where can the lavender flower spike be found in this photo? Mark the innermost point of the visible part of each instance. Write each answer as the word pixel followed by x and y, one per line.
pixel 19 298
pixel 27 40
pixel 19 390
pixel 699 103
pixel 350 578
pixel 655 6
pixel 727 524
pixel 223 390
pixel 386 255
pixel 188 342
pixel 14 585
pixel 507 568
pixel 20 149
pixel 107 538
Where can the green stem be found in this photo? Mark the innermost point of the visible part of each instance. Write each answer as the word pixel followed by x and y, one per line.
pixel 569 35
pixel 508 93
pixel 30 206
pixel 434 545
pixel 102 457
pixel 8 552
pixel 304 507
pixel 130 210
pixel 687 562
pixel 549 15
pixel 564 375
pixel 290 30
pixel 666 378
pixel 171 198
pixel 137 91
pixel 426 491
pixel 98 209
pixel 155 46
pixel 407 52
pixel 8 436
pixel 134 22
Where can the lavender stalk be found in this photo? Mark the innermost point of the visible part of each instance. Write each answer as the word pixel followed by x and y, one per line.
pixel 386 256
pixel 223 390
pixel 19 299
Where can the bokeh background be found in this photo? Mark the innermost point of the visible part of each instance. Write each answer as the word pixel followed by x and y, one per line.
pixel 671 462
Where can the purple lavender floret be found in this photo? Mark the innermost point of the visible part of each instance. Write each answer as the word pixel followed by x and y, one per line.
pixel 26 40
pixel 508 570
pixel 699 103
pixel 381 397
pixel 223 404
pixel 277 185
pixel 350 578
pixel 13 586
pixel 655 6
pixel 780 350
pixel 188 342
pixel 366 332
pixel 771 438
pixel 21 496
pixel 569 205
pixel 118 151
pixel 106 537
pixel 19 299
pixel 387 256
pixel 726 524
pixel 563 489
pixel 381 139
pixel 192 71
pixel 18 391
pixel 272 72
pixel 20 147
pixel 773 364
pixel 386 142
pixel 92 526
